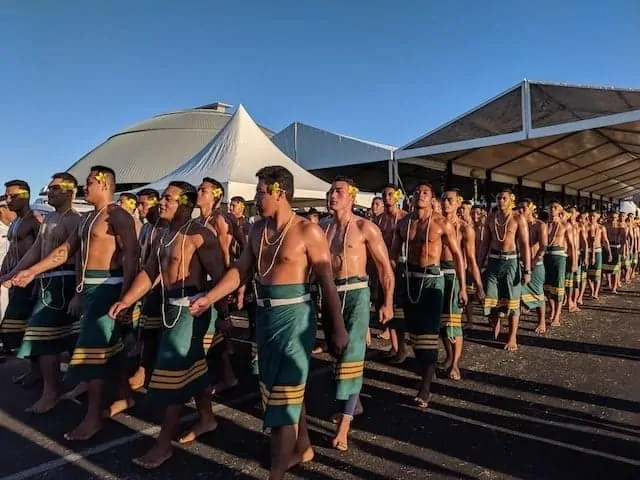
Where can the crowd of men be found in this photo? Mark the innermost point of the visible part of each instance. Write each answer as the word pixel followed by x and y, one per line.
pixel 151 280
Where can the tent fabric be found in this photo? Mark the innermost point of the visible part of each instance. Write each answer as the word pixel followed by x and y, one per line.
pixel 315 149
pixel 234 156
pixel 578 138
pixel 150 149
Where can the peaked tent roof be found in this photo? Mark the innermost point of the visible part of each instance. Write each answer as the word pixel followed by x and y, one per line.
pixel 582 138
pixel 152 148
pixel 234 156
pixel 314 148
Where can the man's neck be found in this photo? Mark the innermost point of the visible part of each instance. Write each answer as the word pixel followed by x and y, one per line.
pixel 452 217
pixel 506 211
pixel 64 207
pixel 208 210
pixel 100 204
pixel 391 209
pixel 24 211
pixel 424 212
pixel 342 217
pixel 282 216
pixel 178 222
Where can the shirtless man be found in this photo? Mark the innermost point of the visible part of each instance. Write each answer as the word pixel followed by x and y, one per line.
pixel 617 238
pixel 51 331
pixel 533 292
pixel 6 217
pixel 503 277
pixel 451 333
pixel 352 240
pixel 579 241
pixel 241 227
pixel 21 236
pixel 210 196
pixel 107 242
pixel 181 370
pixel 560 250
pixel 625 223
pixel 423 234
pixel 377 208
pixel 585 254
pixel 283 248
pixel 478 221
pixel 597 237
pixel 388 222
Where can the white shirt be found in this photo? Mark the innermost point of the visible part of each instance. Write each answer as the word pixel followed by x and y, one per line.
pixel 4 242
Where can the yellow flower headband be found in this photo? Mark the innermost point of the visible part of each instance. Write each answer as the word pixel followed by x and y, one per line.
pixel 397 195
pixel 273 188
pixel 182 199
pixel 353 190
pixel 67 186
pixel 153 202
pixel 130 203
pixel 512 197
pixel 459 200
pixel 216 192
pixel 101 177
pixel 21 193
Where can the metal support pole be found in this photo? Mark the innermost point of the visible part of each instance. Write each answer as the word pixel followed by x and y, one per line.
pixel 542 195
pixel 487 189
pixel 449 174
pixel 563 196
pixel 578 201
pixel 590 201
pixel 519 191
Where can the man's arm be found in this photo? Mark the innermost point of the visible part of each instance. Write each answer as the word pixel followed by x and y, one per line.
pixel 30 258
pixel 124 230
pixel 486 243
pixel 469 243
pixel 224 237
pixel 605 239
pixel 543 243
pixel 319 258
pixel 58 256
pixel 523 240
pixel 571 247
pixel 396 242
pixel 452 242
pixel 378 252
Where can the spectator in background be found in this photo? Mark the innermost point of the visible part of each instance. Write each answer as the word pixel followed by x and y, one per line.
pixel 313 215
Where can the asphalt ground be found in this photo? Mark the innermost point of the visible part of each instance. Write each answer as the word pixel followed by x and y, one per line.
pixel 565 405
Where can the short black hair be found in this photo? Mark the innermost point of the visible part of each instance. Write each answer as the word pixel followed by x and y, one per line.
pixel 527 201
pixel 188 191
pixel 105 170
pixel 390 185
pixel 238 199
pixel 276 173
pixel 18 183
pixel 544 216
pixel 424 184
pixel 128 195
pixel 452 189
pixel 467 203
pixel 149 192
pixel 215 183
pixel 347 180
pixel 66 177
pixel 313 211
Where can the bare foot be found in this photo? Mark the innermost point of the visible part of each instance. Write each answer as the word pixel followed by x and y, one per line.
pixel 223 386
pixel 384 335
pixel 302 457
pixel 541 329
pixel 574 309
pixel 454 374
pixel 44 404
pixel 555 323
pixel 200 428
pixel 78 390
pixel 136 381
pixel 421 402
pixel 340 441
pixel 368 337
pixel 118 407
pixel 84 431
pixel 399 359
pixel 154 457
pixel 336 417
pixel 511 346
pixel 322 348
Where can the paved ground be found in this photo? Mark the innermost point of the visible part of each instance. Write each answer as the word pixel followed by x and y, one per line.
pixel 565 405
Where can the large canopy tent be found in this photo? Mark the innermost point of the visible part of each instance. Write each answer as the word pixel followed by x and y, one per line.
pixel 150 149
pixel 328 155
pixel 235 155
pixel 567 142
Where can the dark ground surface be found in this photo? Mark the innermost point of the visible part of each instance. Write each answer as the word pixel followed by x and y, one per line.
pixel 565 405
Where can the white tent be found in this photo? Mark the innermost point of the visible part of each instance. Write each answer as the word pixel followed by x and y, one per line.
pixel 234 156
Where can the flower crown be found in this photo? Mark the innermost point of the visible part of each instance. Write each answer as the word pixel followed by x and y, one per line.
pixel 67 186
pixel 459 200
pixel 182 199
pixel 216 192
pixel 21 193
pixel 397 195
pixel 130 203
pixel 353 190
pixel 153 202
pixel 101 177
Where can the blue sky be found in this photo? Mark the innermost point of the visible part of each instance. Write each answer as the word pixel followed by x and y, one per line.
pixel 75 72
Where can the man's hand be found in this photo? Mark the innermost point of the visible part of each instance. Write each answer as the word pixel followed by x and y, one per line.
pixel 117 309
pixel 75 306
pixel 463 299
pixel 339 341
pixel 480 293
pixel 385 314
pixel 610 259
pixel 199 306
pixel 6 280
pixel 526 278
pixel 23 278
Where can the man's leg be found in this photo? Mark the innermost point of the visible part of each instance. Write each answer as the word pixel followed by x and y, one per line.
pixel 92 422
pixel 50 368
pixel 162 449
